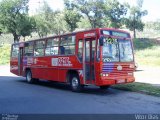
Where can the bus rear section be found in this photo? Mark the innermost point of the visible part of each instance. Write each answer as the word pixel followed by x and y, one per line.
pixel 100 57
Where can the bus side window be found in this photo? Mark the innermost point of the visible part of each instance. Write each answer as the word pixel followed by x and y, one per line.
pixel 62 50
pixel 93 49
pixel 67 45
pixel 98 52
pixel 28 49
pixel 52 47
pixel 39 48
pixel 15 51
pixel 80 50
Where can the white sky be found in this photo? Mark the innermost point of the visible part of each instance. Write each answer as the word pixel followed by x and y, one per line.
pixel 153 7
pixel 54 4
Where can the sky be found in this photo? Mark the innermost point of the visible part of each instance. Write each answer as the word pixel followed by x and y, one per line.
pixel 152 6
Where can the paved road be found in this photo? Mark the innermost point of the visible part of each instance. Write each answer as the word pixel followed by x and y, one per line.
pixel 17 96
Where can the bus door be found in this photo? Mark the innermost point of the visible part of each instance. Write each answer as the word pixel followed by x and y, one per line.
pixel 20 60
pixel 89 56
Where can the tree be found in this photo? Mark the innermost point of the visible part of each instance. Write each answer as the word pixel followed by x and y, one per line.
pixel 156 25
pixel 0 31
pixel 12 15
pixel 93 10
pixel 59 23
pixel 134 21
pixel 114 12
pixel 26 26
pixel 84 23
pixel 42 26
pixel 71 15
pixel 101 13
pixel 49 21
pixel 43 20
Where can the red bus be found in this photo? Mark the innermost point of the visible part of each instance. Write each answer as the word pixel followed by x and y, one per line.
pixel 101 57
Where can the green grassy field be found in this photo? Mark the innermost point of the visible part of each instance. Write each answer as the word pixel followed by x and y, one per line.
pixel 140 87
pixel 147 52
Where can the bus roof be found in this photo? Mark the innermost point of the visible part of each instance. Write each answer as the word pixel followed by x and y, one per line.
pixel 93 29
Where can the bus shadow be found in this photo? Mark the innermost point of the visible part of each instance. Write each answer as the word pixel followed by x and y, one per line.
pixel 48 84
pixel 97 91
pixel 10 78
pixel 139 70
pixel 66 87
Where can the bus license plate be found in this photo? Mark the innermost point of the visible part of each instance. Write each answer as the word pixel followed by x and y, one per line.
pixel 120 81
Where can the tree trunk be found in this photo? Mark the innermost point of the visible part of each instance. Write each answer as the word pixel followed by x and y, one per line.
pixel 16 38
pixel 134 33
pixel 24 39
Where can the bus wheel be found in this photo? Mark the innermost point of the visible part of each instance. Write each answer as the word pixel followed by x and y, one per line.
pixel 75 83
pixel 104 87
pixel 29 77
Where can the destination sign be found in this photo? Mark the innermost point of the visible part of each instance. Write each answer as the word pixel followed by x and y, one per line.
pixel 110 40
pixel 116 33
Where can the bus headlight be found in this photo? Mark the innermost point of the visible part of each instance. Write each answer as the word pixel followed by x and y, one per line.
pixel 131 66
pixel 130 74
pixel 104 75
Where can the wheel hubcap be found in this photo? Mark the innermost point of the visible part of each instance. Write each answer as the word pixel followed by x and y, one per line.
pixel 75 82
pixel 28 76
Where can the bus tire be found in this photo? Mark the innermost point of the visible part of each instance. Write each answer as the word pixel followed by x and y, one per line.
pixel 104 87
pixel 29 77
pixel 75 83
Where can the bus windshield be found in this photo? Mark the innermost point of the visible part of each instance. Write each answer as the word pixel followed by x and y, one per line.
pixel 117 50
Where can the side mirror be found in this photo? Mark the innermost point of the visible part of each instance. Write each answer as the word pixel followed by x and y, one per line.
pixel 101 41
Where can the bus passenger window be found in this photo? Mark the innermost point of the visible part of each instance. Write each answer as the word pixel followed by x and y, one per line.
pixel 52 47
pixel 67 45
pixel 28 49
pixel 15 51
pixel 80 50
pixel 62 50
pixel 93 49
pixel 39 48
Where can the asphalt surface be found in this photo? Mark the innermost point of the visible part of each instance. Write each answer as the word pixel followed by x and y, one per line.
pixel 19 97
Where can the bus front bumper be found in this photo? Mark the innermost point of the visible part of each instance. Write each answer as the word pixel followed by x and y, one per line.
pixel 111 81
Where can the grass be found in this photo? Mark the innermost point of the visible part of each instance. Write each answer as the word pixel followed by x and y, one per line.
pixel 147 52
pixel 4 54
pixel 140 87
pixel 149 56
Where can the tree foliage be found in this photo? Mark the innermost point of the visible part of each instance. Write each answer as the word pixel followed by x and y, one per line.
pixel 156 25
pixel 115 13
pixel 14 18
pixel 92 9
pixel 101 13
pixel 134 22
pixel 77 14
pixel 49 21
pixel 71 15
pixel 60 25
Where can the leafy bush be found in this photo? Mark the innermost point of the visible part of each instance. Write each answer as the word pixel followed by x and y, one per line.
pixel 143 43
pixel 5 54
